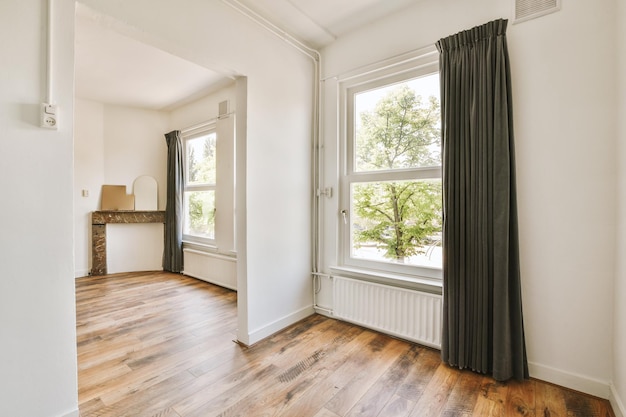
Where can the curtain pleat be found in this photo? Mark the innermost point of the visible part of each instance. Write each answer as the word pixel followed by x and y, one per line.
pixel 173 250
pixel 482 323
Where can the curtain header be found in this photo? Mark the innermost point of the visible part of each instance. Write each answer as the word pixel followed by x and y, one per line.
pixel 488 30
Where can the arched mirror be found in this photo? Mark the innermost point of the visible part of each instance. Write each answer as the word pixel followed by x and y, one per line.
pixel 145 189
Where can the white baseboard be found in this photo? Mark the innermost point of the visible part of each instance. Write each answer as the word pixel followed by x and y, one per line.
pixel 570 380
pixel 616 402
pixel 79 273
pixel 278 325
pixel 73 413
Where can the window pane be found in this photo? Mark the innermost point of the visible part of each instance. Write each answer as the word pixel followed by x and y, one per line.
pixel 398 126
pixel 397 222
pixel 200 214
pixel 201 159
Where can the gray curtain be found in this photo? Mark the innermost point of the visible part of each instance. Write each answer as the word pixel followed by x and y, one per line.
pixel 483 327
pixel 173 251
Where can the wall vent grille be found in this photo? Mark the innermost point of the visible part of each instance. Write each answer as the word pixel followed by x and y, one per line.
pixel 223 109
pixel 530 9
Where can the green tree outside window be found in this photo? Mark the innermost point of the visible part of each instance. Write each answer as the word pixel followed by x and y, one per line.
pixel 399 218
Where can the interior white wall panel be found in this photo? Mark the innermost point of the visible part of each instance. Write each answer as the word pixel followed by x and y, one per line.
pixel 38 374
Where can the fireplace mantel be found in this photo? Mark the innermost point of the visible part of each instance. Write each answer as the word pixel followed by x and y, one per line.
pixel 99 220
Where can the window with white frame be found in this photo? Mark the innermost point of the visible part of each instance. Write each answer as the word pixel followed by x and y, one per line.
pixel 200 186
pixel 391 189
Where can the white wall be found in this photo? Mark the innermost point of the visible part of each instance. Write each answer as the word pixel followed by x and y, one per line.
pixel 134 145
pixel 563 74
pixel 88 175
pixel 203 109
pixel 37 304
pixel 115 145
pixel 274 253
pixel 618 398
pixel 565 120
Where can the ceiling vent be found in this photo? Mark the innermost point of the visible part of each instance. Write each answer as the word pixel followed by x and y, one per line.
pixel 530 9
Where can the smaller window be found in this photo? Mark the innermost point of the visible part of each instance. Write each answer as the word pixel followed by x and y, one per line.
pixel 200 186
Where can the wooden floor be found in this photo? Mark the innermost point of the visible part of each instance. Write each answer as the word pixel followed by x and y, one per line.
pixel 158 344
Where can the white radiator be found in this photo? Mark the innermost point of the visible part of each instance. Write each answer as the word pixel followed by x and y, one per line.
pixel 211 267
pixel 408 314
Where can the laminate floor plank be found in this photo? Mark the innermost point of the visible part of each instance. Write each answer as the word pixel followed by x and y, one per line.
pixel 550 401
pixel 492 398
pixel 146 377
pixel 435 396
pixel 521 399
pixel 378 355
pixel 579 405
pixel 397 407
pixel 331 379
pixel 419 376
pixel 280 367
pixel 213 377
pixel 383 390
pixel 325 413
pixel 289 385
pixel 155 344
pixel 463 397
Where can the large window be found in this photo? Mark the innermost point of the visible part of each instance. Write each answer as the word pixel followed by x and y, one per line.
pixel 391 191
pixel 200 186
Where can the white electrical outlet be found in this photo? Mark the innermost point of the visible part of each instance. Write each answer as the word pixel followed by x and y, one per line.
pixel 49 116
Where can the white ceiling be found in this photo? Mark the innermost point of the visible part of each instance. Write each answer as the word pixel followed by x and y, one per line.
pixel 116 69
pixel 318 23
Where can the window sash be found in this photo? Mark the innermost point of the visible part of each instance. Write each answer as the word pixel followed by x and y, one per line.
pixel 200 236
pixel 350 177
pixel 396 175
pixel 198 186
pixel 346 239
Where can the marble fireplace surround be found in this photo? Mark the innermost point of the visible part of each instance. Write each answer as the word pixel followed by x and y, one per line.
pixel 99 220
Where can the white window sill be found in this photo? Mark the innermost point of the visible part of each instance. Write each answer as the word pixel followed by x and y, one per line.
pixel 201 247
pixel 194 247
pixel 414 282
pixel 209 249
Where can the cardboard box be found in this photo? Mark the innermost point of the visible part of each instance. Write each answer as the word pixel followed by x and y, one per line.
pixel 114 197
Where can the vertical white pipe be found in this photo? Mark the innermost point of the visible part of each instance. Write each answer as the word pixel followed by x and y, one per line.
pixel 49 73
